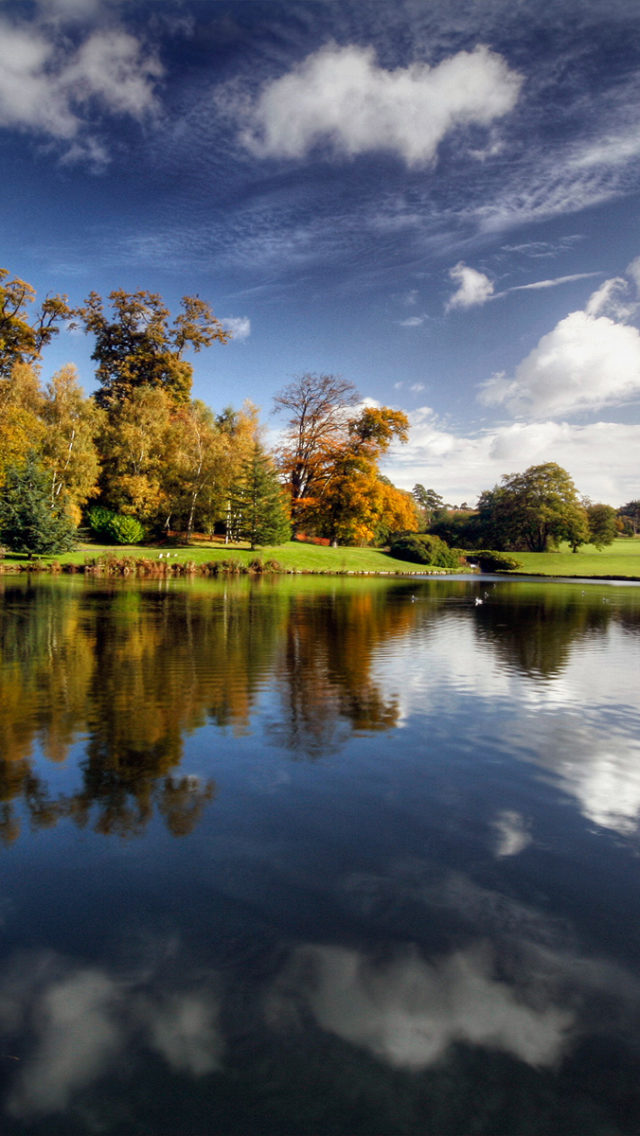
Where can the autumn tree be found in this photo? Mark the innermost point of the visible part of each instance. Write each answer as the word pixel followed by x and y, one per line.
pixel 357 505
pixel 21 425
pixel 133 449
pixel 533 510
pixel 258 510
pixel 330 457
pixel 69 449
pixel 24 330
pixel 136 345
pixel 198 456
pixel 317 408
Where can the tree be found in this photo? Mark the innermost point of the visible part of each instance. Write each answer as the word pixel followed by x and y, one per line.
pixel 198 456
pixel 21 425
pixel 29 523
pixel 631 514
pixel 22 335
pixel 429 502
pixel 602 524
pixel 69 447
pixel 329 458
pixel 317 407
pixel 533 510
pixel 258 510
pixel 133 449
pixel 137 346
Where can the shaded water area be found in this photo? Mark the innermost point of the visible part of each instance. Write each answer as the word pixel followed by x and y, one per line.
pixel 319 856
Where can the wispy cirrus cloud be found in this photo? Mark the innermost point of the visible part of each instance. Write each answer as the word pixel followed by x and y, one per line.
pixel 342 97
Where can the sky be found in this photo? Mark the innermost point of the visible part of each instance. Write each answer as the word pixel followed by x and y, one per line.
pixel 437 200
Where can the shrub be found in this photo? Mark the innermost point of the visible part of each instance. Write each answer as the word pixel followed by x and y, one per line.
pixel 114 528
pixel 494 561
pixel 424 548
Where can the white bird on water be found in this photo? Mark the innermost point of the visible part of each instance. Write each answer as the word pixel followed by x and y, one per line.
pixel 478 601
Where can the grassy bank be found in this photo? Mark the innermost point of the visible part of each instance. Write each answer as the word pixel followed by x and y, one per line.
pixel 621 560
pixel 209 558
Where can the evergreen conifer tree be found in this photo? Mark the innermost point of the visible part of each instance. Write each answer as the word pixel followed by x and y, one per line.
pixel 29 521
pixel 258 510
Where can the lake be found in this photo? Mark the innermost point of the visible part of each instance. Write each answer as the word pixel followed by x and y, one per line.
pixel 319 856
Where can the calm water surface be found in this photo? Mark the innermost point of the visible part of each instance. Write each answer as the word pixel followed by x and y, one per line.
pixel 319 857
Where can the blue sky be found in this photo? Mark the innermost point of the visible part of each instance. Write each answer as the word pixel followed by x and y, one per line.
pixel 437 201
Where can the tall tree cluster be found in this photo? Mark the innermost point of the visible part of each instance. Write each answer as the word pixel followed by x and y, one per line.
pixel 142 447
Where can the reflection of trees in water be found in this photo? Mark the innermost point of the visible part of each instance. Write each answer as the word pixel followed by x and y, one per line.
pixel 536 630
pixel 324 669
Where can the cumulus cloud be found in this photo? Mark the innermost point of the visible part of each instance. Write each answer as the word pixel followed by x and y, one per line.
pixel 239 326
pixel 52 90
pixel 600 456
pixel 408 1012
pixel 82 1020
pixel 585 363
pixel 341 96
pixel 474 287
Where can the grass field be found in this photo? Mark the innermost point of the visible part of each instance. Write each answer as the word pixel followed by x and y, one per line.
pixel 292 557
pixel 621 560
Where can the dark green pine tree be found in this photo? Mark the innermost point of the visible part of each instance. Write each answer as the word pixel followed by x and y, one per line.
pixel 29 523
pixel 258 510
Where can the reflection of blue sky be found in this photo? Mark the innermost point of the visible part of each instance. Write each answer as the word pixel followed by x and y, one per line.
pixel 581 723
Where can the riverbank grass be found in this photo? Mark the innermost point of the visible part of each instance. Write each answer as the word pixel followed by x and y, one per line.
pixel 620 560
pixel 290 557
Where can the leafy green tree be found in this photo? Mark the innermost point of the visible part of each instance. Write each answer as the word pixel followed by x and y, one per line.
pixel 602 524
pixel 136 345
pixel 258 509
pixel 533 510
pixel 630 513
pixel 24 333
pixel 429 502
pixel 29 522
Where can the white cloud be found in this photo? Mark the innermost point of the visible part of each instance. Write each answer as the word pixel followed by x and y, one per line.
pixel 51 90
pixel 239 326
pixel 607 300
pixel 82 1020
pixel 585 363
pixel 473 287
pixel 601 456
pixel 553 283
pixel 408 1012
pixel 341 96
pixel 412 321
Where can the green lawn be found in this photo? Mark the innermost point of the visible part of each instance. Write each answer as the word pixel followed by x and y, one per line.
pixel 621 560
pixel 292 557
